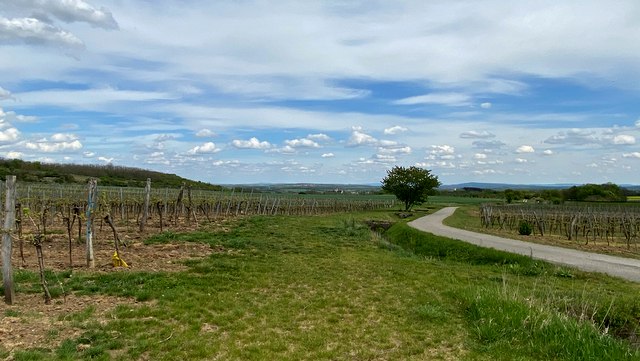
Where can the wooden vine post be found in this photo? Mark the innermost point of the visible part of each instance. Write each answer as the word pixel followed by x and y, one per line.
pixel 91 205
pixel 9 220
pixel 145 209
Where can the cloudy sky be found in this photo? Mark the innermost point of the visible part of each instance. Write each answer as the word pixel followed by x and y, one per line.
pixel 326 91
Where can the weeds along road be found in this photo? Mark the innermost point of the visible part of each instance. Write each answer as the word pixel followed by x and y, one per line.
pixel 626 268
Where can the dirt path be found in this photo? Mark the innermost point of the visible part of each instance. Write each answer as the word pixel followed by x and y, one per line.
pixel 592 262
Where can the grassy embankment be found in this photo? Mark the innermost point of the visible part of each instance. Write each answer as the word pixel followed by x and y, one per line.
pixel 326 288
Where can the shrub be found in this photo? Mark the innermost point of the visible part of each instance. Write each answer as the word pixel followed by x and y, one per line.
pixel 524 228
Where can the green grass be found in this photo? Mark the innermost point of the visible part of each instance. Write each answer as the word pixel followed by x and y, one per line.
pixel 326 288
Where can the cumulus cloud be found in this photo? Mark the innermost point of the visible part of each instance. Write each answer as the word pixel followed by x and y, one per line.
pixel 525 149
pixel 302 143
pixel 450 99
pixel 252 143
pixel 442 149
pixel 473 134
pixel 205 133
pixel 11 116
pixel 358 137
pixel 480 156
pixel 34 31
pixel 328 155
pixel 206 148
pixel 395 149
pixel 632 155
pixel 14 155
pixel 9 135
pixel 574 136
pixel 395 130
pixel 39 28
pixel 485 105
pixel 488 144
pixel 320 137
pixel 53 146
pixel 106 160
pixel 547 152
pixel 624 139
pixel 63 137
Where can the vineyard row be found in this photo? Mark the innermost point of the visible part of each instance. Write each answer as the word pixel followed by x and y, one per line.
pixel 609 223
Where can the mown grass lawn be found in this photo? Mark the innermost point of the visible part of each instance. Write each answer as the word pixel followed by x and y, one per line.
pixel 327 288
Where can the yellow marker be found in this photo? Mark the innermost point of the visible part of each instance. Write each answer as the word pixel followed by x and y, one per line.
pixel 117 261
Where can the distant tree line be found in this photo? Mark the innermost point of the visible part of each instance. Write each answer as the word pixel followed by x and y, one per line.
pixel 607 192
pixel 107 175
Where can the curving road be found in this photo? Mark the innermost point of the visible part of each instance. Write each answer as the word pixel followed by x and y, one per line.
pixel 626 268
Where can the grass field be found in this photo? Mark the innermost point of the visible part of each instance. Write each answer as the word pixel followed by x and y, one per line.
pixel 327 288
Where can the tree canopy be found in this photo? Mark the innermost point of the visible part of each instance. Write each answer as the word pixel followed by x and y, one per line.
pixel 411 185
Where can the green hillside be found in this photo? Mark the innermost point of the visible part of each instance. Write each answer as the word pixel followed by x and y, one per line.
pixel 108 175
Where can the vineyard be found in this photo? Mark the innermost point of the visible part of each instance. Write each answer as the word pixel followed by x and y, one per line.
pixel 72 222
pixel 163 209
pixel 613 223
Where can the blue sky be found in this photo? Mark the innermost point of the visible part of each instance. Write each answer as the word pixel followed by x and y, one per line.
pixel 326 91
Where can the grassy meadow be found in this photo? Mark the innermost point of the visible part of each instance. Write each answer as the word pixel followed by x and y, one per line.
pixel 328 288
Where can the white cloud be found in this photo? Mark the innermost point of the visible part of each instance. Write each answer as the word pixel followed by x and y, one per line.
pixel 302 143
pixel 206 148
pixel 61 137
pixel 488 144
pixel 358 137
pixel 442 149
pixel 34 31
pixel 14 155
pixel 521 160
pixel 525 149
pixel 252 143
pixel 473 134
pixel 53 147
pixel 485 105
pixel 637 123
pixel 624 139
pixel 105 159
pixel 9 135
pixel 395 149
pixel 632 155
pixel 547 152
pixel 39 27
pixel 450 99
pixel 205 133
pixel 328 155
pixel 574 136
pixel 395 130
pixel 480 156
pixel 89 154
pixel 319 137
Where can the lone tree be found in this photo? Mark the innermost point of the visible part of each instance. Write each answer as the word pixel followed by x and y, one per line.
pixel 410 185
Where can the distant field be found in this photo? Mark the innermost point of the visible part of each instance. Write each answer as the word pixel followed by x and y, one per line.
pixel 463 200
pixel 633 198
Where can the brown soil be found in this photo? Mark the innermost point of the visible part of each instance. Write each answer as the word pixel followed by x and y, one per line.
pixel 30 323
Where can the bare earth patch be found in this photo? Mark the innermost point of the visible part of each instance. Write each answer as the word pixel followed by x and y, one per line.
pixel 30 323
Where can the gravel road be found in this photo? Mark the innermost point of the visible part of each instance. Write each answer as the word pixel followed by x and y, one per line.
pixel 626 268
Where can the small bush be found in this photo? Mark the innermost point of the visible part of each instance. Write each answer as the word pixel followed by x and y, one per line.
pixel 524 228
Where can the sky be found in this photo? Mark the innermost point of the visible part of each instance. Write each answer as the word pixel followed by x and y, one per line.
pixel 249 91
